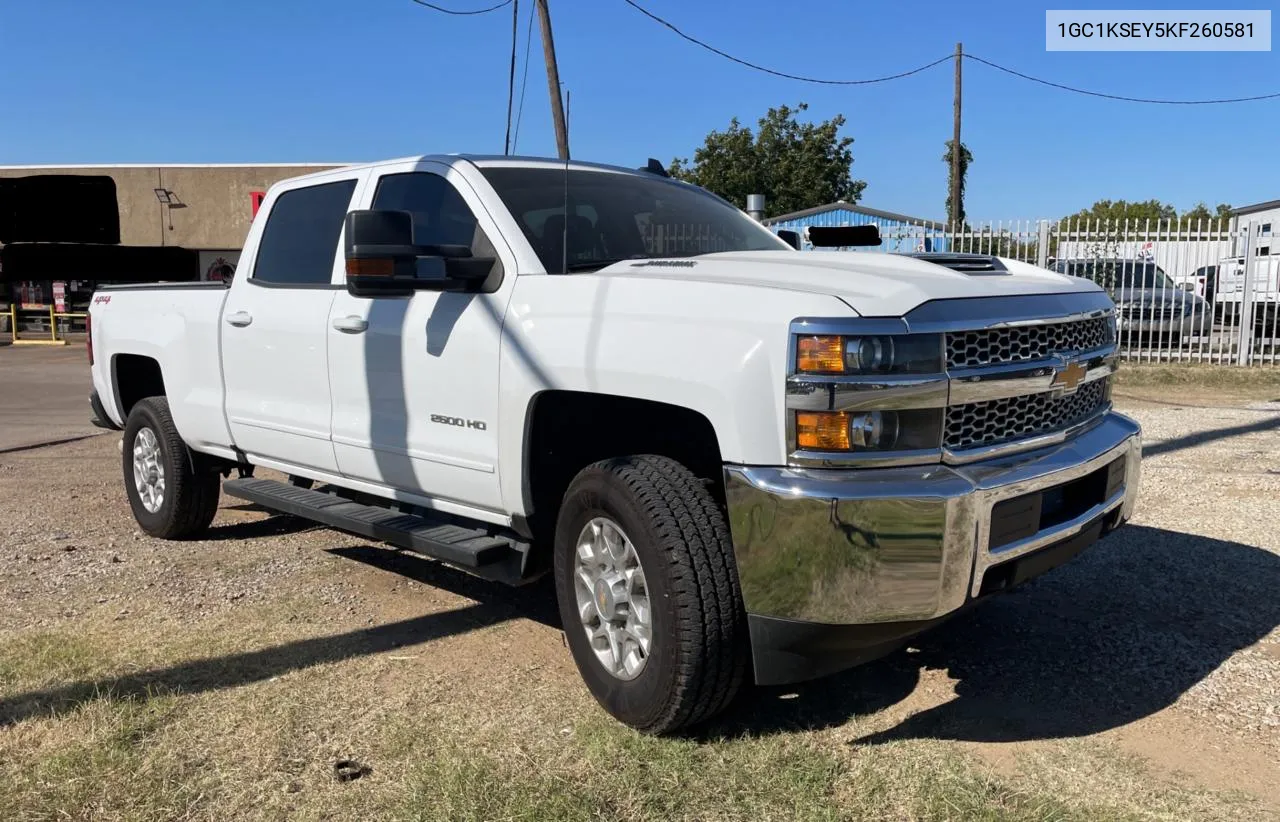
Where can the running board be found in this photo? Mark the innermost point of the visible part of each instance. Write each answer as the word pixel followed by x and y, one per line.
pixel 485 551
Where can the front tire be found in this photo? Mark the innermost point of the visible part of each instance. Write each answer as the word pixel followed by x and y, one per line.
pixel 171 497
pixel 649 594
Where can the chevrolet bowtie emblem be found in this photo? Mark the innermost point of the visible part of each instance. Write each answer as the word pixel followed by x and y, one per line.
pixel 1069 376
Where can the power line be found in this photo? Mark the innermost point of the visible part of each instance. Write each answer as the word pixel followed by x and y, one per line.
pixel 524 78
pixel 1118 96
pixel 774 72
pixel 503 4
pixel 668 24
pixel 511 78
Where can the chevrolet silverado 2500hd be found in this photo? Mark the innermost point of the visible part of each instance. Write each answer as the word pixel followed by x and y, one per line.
pixel 738 460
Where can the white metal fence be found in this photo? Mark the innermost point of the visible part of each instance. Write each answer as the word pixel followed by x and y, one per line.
pixel 1186 291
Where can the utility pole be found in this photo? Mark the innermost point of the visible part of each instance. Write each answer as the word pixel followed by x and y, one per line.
pixel 955 147
pixel 553 80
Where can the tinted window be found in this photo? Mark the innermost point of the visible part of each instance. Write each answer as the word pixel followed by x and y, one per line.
pixel 440 215
pixel 1113 274
pixel 301 238
pixel 615 216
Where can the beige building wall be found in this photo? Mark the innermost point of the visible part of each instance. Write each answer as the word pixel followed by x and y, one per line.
pixel 217 205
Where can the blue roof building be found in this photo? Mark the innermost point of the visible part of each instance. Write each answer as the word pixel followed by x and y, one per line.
pixel 899 233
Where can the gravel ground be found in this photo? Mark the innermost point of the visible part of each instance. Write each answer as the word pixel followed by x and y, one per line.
pixel 1167 630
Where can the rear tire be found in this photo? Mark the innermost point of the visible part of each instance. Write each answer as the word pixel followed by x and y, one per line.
pixel 696 659
pixel 171 496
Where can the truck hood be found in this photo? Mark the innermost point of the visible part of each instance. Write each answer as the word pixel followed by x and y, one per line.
pixel 872 284
pixel 1141 297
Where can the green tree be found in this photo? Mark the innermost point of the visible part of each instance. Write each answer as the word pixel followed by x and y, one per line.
pixel 1200 213
pixel 966 157
pixel 1148 213
pixel 795 165
pixel 1117 212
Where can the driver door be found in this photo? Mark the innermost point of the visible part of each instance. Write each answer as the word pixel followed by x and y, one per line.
pixel 415 379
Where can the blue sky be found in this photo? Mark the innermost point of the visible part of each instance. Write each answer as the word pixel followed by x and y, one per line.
pixel 84 81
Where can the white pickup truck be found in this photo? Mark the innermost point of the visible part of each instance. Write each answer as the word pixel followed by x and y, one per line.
pixel 741 462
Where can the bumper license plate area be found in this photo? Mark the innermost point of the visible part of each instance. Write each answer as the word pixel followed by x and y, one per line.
pixel 1019 518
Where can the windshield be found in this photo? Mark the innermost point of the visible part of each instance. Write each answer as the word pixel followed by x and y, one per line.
pixel 615 216
pixel 1113 274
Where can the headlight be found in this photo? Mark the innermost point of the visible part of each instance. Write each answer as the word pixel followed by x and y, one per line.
pixel 862 431
pixel 871 354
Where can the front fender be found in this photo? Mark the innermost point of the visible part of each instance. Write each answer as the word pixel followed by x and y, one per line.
pixel 716 349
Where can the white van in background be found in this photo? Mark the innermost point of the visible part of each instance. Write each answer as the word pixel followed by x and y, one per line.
pixel 1261 276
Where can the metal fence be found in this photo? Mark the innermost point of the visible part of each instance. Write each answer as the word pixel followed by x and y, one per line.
pixel 1186 291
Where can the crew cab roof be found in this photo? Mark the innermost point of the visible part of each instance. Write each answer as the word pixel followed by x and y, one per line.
pixel 480 160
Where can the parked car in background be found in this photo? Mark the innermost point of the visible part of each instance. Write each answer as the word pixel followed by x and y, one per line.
pixel 1148 303
pixel 1205 279
pixel 1261 298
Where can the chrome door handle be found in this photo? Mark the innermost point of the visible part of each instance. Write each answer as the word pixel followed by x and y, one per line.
pixel 351 324
pixel 240 319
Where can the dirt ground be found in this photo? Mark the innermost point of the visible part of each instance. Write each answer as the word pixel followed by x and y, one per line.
pixel 44 395
pixel 227 677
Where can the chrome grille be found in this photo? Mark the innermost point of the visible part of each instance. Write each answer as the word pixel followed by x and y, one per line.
pixel 988 423
pixel 966 349
pixel 1146 312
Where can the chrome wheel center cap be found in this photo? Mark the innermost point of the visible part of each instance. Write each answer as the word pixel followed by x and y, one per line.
pixel 606 602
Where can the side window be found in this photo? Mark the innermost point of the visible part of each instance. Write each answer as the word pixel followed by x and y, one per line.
pixel 440 215
pixel 301 236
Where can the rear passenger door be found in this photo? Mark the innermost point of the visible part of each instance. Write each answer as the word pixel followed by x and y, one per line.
pixel 275 327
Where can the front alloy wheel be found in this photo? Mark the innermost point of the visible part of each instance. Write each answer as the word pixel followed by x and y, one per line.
pixel 648 592
pixel 613 599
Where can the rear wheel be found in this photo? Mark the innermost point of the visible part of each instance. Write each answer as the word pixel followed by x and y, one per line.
pixel 171 496
pixel 649 594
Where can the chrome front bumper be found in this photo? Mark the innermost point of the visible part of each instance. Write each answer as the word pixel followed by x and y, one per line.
pixel 1185 325
pixel 877 545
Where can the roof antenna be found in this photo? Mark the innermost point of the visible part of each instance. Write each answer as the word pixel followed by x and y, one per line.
pixel 655 167
pixel 564 241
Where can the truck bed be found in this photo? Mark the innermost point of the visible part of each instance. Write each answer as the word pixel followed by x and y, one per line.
pixel 178 326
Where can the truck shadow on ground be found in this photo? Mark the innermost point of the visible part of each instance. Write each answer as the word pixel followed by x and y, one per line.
pixel 493 604
pixel 1115 636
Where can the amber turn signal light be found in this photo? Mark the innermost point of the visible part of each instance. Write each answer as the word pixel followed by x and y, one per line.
pixel 822 430
pixel 818 355
pixel 371 267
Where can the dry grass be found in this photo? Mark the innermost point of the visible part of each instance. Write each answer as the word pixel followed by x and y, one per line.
pixel 444 745
pixel 222 680
pixel 1195 382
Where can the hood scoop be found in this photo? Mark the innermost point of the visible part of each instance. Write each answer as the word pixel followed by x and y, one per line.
pixel 964 263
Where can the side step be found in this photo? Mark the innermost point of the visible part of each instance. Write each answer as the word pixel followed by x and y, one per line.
pixel 486 551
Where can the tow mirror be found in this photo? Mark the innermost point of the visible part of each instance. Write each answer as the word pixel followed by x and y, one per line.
pixel 790 237
pixel 383 260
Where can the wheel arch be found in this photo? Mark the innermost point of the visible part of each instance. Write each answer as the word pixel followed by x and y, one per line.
pixel 566 430
pixel 135 377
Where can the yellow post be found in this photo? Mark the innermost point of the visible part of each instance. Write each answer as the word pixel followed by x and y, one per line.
pixel 13 322
pixel 53 330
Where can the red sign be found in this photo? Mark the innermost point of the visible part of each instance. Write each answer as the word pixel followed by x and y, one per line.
pixel 60 297
pixel 256 198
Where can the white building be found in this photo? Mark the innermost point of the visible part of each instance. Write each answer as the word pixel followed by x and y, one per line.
pixel 1262 220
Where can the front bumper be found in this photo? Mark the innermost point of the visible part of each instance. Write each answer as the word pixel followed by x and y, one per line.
pixel 1183 325
pixel 840 565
